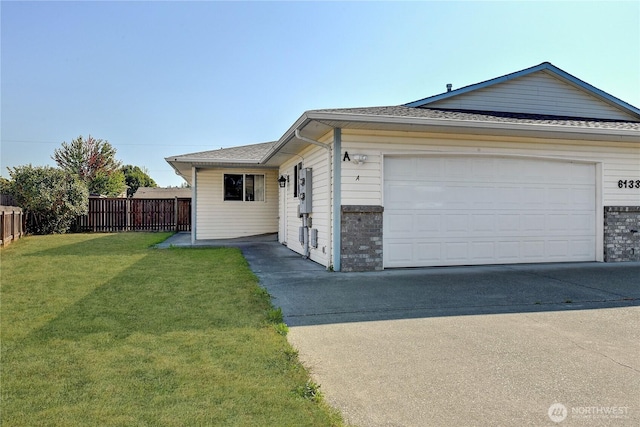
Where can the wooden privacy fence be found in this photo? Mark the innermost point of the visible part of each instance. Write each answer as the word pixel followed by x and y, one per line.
pixel 12 224
pixel 113 214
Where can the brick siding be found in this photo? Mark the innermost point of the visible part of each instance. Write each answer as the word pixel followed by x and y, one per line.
pixel 621 233
pixel 361 238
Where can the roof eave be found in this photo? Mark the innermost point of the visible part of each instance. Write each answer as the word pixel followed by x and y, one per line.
pixel 469 126
pixel 201 160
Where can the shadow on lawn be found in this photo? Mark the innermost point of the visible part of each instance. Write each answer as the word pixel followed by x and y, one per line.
pixel 152 297
pixel 84 244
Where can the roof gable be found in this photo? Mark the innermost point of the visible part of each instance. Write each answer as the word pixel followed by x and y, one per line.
pixel 543 89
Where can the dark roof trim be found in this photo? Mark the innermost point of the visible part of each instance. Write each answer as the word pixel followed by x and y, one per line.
pixel 545 66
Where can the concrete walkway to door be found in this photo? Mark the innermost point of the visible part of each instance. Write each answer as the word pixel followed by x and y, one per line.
pixel 494 345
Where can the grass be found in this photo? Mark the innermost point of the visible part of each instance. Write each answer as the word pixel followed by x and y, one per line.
pixel 101 330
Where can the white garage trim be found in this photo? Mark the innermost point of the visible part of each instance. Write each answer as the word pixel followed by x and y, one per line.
pixel 470 209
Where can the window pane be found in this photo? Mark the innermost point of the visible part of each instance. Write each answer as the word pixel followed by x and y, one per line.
pixel 248 188
pixel 254 188
pixel 258 188
pixel 232 187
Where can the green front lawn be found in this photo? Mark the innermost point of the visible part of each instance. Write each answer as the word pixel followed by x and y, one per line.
pixel 100 330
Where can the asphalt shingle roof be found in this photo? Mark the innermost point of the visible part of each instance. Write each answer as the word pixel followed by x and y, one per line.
pixel 256 152
pixel 488 116
pixel 253 152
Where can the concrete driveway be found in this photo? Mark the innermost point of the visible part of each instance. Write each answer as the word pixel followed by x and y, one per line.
pixel 538 345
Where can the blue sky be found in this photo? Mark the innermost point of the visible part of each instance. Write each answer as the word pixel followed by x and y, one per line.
pixel 163 78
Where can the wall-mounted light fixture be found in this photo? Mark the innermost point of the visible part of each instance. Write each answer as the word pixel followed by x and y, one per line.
pixel 282 181
pixel 359 158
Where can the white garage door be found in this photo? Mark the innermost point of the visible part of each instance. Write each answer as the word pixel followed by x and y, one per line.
pixel 486 210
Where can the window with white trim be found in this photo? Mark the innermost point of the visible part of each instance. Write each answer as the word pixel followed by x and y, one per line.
pixel 247 187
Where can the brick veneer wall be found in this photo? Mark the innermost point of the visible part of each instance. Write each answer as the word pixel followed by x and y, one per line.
pixel 621 233
pixel 361 238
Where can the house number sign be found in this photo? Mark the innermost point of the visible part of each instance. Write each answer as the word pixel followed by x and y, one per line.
pixel 628 183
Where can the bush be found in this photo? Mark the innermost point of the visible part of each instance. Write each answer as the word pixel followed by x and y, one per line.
pixel 50 198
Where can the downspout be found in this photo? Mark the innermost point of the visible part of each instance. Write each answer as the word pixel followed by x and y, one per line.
pixel 194 204
pixel 330 174
pixel 337 197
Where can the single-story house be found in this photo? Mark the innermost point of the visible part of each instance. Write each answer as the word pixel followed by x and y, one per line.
pixel 530 167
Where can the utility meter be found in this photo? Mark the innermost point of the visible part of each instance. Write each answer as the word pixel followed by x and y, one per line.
pixel 304 190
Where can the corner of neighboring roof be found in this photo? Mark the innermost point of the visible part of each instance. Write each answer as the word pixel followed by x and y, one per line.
pixel 546 66
pixel 284 139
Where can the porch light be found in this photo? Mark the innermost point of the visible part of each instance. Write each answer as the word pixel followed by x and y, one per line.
pixel 282 181
pixel 359 158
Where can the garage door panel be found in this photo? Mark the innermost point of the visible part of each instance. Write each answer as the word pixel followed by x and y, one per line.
pixel 400 168
pixel 489 210
pixel 482 223
pixel 429 223
pixel 558 222
pixel 456 168
pixel 581 224
pixel 481 198
pixel 581 248
pixel 483 168
pixel 428 167
pixel 400 254
pixel 533 223
pixel 579 174
pixel 558 249
pixel 428 252
pixel 559 198
pixel 483 252
pixel 509 223
pixel 583 198
pixel 533 250
pixel 400 223
pixel 457 223
pixel 533 197
pixel 456 251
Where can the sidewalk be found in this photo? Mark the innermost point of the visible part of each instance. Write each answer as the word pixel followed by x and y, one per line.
pixel 183 240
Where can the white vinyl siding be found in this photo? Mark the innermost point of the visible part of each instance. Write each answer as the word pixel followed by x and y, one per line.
pixel 537 93
pixel 220 219
pixel 616 160
pixel 315 158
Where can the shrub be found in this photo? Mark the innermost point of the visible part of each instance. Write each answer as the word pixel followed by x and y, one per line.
pixel 51 198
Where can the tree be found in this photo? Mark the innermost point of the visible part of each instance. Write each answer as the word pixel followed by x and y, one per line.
pixel 94 162
pixel 136 177
pixel 50 197
pixel 5 185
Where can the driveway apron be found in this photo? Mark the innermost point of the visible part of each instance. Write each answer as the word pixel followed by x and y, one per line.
pixel 465 346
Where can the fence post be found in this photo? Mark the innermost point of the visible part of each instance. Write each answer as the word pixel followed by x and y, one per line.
pixel 2 221
pixel 175 213
pixel 128 214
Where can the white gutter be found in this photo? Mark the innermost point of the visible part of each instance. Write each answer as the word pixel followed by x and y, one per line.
pixel 561 131
pixel 311 141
